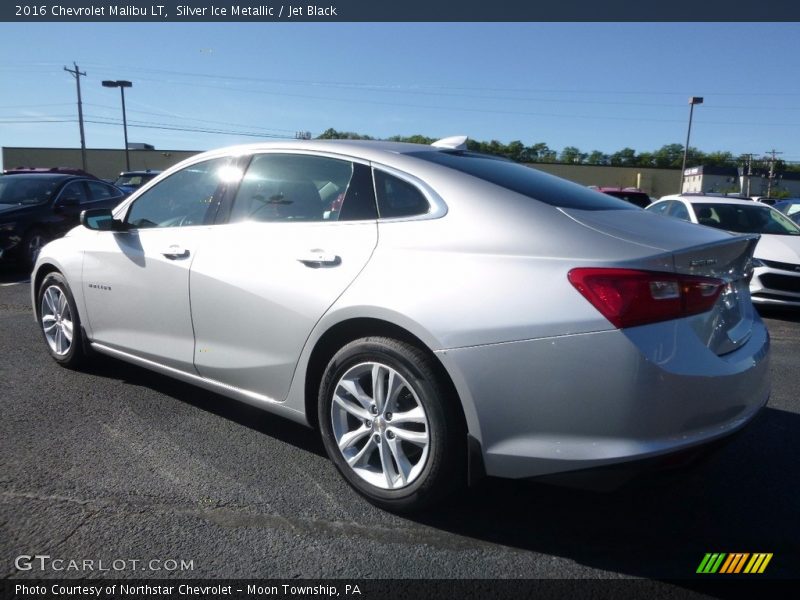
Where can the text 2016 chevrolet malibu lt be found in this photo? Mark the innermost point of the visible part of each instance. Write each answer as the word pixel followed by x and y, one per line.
pixel 425 307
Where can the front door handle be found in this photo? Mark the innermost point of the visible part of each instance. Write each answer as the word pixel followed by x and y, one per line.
pixel 175 252
pixel 317 259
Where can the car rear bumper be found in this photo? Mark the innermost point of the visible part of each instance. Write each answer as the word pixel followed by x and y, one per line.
pixel 574 402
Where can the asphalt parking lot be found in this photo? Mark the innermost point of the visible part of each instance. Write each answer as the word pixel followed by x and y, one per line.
pixel 120 463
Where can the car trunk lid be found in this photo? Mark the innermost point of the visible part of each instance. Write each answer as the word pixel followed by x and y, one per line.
pixel 692 250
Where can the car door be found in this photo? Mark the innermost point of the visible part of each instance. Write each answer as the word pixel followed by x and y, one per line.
pixel 67 208
pixel 300 229
pixel 137 280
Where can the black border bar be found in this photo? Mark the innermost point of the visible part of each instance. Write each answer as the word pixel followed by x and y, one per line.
pixel 287 11
pixel 388 589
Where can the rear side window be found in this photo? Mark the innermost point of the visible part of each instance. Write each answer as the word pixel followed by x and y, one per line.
pixel 101 191
pixel 304 188
pixel 398 198
pixel 524 180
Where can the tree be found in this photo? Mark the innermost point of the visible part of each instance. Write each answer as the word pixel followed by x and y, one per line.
pixel 332 134
pixel 597 158
pixel 669 156
pixel 572 155
pixel 719 158
pixel 624 158
pixel 413 139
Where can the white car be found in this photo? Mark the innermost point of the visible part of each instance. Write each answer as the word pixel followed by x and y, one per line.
pixel 776 277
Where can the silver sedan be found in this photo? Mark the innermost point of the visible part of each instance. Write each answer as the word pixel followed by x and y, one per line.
pixel 438 315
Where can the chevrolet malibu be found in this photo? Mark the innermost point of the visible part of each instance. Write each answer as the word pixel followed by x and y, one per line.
pixel 437 314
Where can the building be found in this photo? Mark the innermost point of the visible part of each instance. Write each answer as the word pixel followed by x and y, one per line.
pixel 103 163
pixel 784 185
pixel 107 164
pixel 704 179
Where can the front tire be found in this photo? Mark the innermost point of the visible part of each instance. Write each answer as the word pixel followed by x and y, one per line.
pixel 32 244
pixel 59 321
pixel 390 426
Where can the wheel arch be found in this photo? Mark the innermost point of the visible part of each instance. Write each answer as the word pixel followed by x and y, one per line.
pixel 348 330
pixel 41 272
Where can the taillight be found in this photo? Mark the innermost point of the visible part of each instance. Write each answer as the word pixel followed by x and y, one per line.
pixel 628 297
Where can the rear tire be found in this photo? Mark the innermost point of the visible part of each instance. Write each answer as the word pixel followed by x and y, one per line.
pixel 59 322
pixel 390 426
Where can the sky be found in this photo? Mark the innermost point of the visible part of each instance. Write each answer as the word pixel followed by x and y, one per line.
pixel 596 86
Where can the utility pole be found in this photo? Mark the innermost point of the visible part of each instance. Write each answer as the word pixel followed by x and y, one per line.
pixel 692 101
pixel 76 73
pixel 748 173
pixel 773 153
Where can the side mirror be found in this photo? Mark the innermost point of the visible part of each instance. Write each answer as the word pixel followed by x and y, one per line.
pixel 101 219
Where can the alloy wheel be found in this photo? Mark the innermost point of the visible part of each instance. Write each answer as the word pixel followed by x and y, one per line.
pixel 380 425
pixel 56 320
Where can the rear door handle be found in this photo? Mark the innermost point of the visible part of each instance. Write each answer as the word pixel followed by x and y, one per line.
pixel 175 252
pixel 317 259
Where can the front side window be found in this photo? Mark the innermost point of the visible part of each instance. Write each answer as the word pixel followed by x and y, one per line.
pixel 303 188
pixel 660 208
pixel 74 192
pixel 188 197
pixel 398 198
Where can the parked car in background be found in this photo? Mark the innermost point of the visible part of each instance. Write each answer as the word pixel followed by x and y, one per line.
pixel 776 278
pixel 633 195
pixel 790 207
pixel 130 181
pixel 38 207
pixel 370 290
pixel 47 170
pixel 766 200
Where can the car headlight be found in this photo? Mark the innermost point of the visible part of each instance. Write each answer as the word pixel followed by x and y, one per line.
pixel 757 263
pixel 11 226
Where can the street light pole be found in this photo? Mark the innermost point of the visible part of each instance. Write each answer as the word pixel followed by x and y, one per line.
pixel 122 84
pixel 692 101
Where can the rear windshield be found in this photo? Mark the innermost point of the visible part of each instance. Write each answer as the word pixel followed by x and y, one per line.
pixel 640 199
pixel 525 180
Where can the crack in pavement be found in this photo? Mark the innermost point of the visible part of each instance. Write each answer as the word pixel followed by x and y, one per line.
pixel 229 516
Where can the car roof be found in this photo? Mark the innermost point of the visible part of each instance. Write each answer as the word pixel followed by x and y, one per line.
pixel 733 201
pixel 45 176
pixel 48 171
pixel 364 149
pixel 711 200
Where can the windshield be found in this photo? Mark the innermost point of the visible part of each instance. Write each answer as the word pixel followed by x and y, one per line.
pixel 525 180
pixel 133 181
pixel 743 218
pixel 18 189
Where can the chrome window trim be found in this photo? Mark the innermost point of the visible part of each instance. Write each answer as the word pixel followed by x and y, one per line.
pixel 438 208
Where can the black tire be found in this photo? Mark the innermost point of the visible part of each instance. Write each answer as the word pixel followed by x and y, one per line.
pixel 76 354
pixel 436 474
pixel 32 243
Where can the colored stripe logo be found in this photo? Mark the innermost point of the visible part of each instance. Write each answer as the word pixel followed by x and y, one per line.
pixel 735 562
